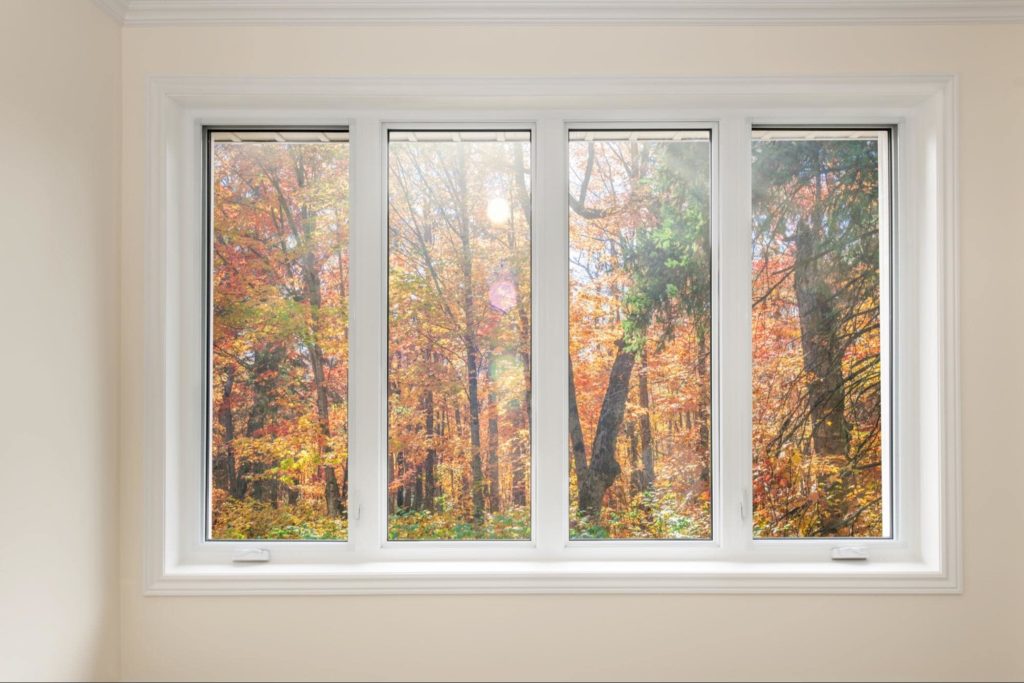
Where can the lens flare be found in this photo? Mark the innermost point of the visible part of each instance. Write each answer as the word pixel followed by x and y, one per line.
pixel 498 211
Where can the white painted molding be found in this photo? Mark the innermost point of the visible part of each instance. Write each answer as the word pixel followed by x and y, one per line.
pixel 676 12
pixel 116 9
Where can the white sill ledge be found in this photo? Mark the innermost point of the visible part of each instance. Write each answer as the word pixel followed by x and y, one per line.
pixel 554 577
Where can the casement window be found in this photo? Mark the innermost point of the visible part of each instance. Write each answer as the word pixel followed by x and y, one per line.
pixel 640 334
pixel 661 343
pixel 821 332
pixel 277 245
pixel 459 388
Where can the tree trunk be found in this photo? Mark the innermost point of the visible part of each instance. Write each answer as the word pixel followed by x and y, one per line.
pixel 821 346
pixel 822 352
pixel 493 467
pixel 430 463
pixel 224 462
pixel 595 478
pixel 417 489
pixel 471 344
pixel 332 492
pixel 390 490
pixel 249 478
pixel 636 476
pixel 476 464
pixel 311 275
pixel 577 443
pixel 821 356
pixel 704 407
pixel 646 435
pixel 522 454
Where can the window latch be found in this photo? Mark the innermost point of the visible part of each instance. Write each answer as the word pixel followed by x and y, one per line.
pixel 850 552
pixel 252 555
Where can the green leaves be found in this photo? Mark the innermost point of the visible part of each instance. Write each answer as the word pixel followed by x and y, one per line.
pixel 410 525
pixel 670 264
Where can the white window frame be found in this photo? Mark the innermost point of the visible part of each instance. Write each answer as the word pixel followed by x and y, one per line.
pixel 922 557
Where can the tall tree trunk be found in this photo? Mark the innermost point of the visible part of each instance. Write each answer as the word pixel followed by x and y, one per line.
pixel 343 297
pixel 417 489
pixel 476 464
pixel 430 463
pixel 819 340
pixel 704 407
pixel 493 467
pixel 332 492
pixel 392 498
pixel 646 433
pixel 636 477
pixel 311 277
pixel 401 499
pixel 470 341
pixel 593 479
pixel 522 454
pixel 224 462
pixel 249 479
pixel 577 441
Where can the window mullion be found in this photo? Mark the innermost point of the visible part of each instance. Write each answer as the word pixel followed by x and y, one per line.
pixel 734 411
pixel 550 338
pixel 368 338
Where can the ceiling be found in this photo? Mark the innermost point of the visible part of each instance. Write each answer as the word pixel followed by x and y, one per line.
pixel 696 12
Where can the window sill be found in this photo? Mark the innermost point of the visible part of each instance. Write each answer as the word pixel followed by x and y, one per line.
pixel 491 577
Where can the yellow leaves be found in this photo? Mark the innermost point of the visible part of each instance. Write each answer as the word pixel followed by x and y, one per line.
pixel 795 459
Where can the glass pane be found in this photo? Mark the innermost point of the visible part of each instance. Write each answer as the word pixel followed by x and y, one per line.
pixel 459 335
pixel 640 334
pixel 820 214
pixel 279 265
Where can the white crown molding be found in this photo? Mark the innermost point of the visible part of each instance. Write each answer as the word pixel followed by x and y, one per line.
pixel 117 9
pixel 678 12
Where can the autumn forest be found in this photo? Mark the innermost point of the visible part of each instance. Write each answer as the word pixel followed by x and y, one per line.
pixel 459 367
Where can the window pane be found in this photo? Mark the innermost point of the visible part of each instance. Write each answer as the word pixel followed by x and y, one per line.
pixel 820 212
pixel 279 263
pixel 459 335
pixel 640 334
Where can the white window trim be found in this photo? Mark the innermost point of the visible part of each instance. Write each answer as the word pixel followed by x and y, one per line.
pixel 923 557
pixel 645 12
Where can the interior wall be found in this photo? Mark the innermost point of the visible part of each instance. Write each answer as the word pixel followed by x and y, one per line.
pixel 60 113
pixel 976 635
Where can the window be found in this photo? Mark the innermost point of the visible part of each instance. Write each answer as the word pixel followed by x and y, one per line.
pixel 459 347
pixel 820 247
pixel 640 333
pixel 528 347
pixel 278 250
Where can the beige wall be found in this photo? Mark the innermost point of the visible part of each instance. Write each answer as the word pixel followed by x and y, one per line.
pixel 60 109
pixel 977 635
